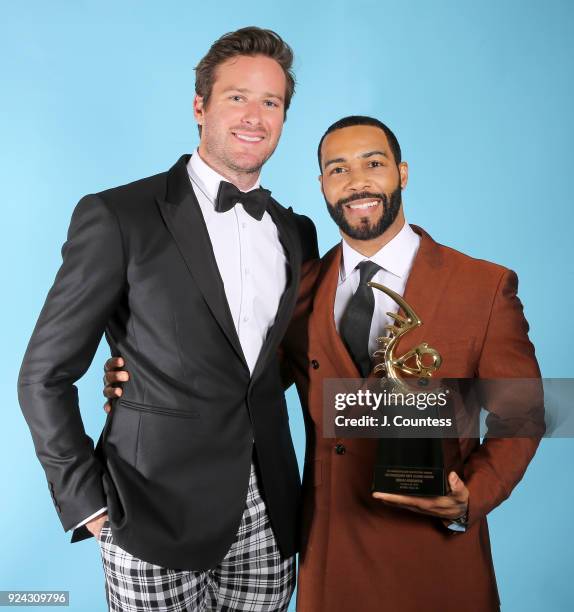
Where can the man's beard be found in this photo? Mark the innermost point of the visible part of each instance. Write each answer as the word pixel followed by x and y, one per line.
pixel 365 230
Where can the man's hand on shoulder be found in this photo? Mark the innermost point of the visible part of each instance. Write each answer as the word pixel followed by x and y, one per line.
pixel 114 377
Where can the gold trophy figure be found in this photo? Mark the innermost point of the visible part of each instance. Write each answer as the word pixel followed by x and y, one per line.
pixel 402 325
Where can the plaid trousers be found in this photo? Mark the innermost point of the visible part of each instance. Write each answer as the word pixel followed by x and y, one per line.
pixel 253 576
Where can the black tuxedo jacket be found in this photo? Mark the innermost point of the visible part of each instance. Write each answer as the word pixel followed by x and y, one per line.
pixel 173 460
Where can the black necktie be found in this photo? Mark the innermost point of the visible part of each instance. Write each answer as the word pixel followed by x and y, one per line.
pixel 356 320
pixel 254 201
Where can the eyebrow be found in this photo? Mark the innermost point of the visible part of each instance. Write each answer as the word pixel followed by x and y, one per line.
pixel 338 160
pixel 267 94
pixel 342 160
pixel 371 153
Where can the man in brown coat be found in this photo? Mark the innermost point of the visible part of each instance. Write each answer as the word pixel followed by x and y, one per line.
pixel 379 552
pixel 382 552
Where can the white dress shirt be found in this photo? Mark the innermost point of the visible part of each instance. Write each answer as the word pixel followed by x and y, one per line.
pixel 250 258
pixel 251 261
pixel 396 259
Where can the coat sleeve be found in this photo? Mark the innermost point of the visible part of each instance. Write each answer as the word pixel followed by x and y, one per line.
pixel 85 292
pixel 309 258
pixel 308 237
pixel 515 421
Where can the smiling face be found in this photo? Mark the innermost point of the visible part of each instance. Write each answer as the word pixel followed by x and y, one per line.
pixel 362 183
pixel 242 122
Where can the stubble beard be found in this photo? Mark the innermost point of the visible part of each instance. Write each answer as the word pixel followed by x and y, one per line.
pixel 217 151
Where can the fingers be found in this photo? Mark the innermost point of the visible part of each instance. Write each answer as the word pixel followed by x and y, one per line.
pixel 458 490
pixel 416 504
pixel 112 392
pixel 444 506
pixel 95 525
pixel 391 498
pixel 113 362
pixel 116 377
pixel 112 383
pixel 456 484
pixel 113 380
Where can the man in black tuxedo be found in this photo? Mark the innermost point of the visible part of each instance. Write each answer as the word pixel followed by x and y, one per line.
pixel 193 489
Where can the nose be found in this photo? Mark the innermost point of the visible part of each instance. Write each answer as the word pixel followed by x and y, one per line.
pixel 358 180
pixel 252 114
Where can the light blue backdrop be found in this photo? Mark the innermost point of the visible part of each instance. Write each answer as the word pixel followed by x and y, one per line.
pixel 480 94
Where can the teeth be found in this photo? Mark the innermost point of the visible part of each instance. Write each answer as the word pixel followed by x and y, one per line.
pixel 362 206
pixel 249 138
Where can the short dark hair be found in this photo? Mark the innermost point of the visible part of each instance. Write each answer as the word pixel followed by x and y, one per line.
pixel 246 41
pixel 362 120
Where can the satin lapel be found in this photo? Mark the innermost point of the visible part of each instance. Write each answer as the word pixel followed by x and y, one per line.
pixel 424 290
pixel 289 237
pixel 322 320
pixel 183 218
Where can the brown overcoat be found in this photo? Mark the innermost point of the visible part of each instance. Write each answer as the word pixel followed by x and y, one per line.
pixel 358 554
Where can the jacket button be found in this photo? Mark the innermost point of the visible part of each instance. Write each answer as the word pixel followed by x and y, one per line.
pixel 315 364
pixel 340 449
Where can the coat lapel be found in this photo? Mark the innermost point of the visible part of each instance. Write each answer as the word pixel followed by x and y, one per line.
pixel 184 220
pixel 425 286
pixel 323 318
pixel 289 237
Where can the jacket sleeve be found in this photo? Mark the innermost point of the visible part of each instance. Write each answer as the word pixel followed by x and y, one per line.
pixel 308 237
pixel 515 421
pixel 85 292
pixel 309 256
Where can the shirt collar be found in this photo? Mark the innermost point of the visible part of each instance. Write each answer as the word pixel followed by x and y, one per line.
pixel 206 176
pixel 395 257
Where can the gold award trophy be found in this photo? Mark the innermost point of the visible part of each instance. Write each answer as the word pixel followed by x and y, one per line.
pixel 408 465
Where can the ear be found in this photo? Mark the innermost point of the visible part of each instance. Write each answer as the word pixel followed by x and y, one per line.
pixel 198 109
pixel 404 174
pixel 321 185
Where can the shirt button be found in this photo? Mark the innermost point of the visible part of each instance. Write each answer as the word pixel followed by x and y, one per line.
pixel 340 449
pixel 315 364
pixel 243 225
pixel 246 271
pixel 245 319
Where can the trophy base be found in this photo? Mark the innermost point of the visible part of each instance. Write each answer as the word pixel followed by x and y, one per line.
pixel 409 480
pixel 412 466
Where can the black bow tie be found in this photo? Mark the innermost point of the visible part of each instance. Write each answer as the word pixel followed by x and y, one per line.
pixel 254 201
